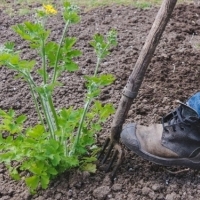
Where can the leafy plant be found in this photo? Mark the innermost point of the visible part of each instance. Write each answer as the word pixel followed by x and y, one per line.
pixel 65 138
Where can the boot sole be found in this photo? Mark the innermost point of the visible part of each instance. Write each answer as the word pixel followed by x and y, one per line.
pixel 191 163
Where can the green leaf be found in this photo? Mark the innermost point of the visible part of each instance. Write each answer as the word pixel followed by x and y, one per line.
pixel 98 39
pixel 69 43
pixel 74 53
pixel 112 37
pixel 14 174
pixel 41 13
pixel 87 138
pixel 37 167
pixel 44 181
pixel 11 113
pixel 70 15
pixel 51 170
pixel 13 128
pixel 107 111
pixel 54 144
pixel 32 32
pixel 73 18
pixel 14 60
pixel 32 182
pixel 101 45
pixel 89 167
pixel 94 91
pixel 51 49
pixel 101 80
pixel 65 113
pixel 28 65
pixel 20 29
pixel 4 57
pixel 89 159
pixel 70 162
pixel 97 127
pixel 4 114
pixel 2 142
pixel 9 46
pixel 40 71
pixel 106 79
pixel 71 66
pixel 6 157
pixel 35 132
pixel 35 44
pixel 21 119
pixel 103 111
pixel 56 159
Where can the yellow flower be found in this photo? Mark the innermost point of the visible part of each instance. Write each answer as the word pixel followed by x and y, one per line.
pixel 49 9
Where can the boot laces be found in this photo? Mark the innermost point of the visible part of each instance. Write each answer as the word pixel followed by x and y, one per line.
pixel 176 118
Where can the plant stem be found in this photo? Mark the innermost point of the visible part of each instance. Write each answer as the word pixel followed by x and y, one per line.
pixel 45 109
pixel 44 62
pixel 32 85
pixel 87 104
pixel 36 102
pixel 58 52
pixel 53 111
pixel 48 117
pixel 99 58
pixel 97 65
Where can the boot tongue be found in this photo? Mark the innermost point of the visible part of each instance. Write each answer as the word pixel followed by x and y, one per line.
pixel 188 111
pixel 194 104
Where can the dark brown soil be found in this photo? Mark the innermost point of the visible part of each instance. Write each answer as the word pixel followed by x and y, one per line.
pixel 172 75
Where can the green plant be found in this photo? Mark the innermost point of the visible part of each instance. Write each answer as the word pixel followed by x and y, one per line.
pixel 65 138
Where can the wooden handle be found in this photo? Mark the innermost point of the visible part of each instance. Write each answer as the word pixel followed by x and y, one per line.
pixel 135 79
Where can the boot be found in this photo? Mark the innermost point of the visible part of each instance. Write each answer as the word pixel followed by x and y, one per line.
pixel 174 142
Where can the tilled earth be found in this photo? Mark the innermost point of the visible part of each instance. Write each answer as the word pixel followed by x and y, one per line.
pixel 173 74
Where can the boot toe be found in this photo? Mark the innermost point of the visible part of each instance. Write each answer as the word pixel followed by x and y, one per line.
pixel 128 137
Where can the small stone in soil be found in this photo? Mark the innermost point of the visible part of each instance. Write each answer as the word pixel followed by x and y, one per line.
pixel 117 187
pixel 100 193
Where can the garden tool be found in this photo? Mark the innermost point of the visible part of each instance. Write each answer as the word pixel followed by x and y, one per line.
pixel 174 142
pixel 133 84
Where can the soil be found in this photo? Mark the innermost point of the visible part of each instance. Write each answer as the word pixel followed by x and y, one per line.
pixel 173 74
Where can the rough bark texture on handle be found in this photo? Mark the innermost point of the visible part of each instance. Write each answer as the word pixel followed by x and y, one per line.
pixel 135 79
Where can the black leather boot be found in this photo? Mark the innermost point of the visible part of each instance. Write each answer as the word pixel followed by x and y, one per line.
pixel 176 141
